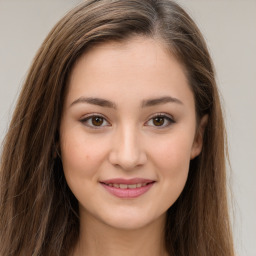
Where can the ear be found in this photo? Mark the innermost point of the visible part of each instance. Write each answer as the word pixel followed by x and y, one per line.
pixel 198 140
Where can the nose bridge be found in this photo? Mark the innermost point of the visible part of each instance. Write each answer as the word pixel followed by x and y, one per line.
pixel 127 150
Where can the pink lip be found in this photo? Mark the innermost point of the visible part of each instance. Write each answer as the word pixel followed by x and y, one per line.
pixel 126 181
pixel 129 192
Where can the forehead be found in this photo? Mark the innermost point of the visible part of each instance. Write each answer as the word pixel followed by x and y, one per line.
pixel 149 51
pixel 136 67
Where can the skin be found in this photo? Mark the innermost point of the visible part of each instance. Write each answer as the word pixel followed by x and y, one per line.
pixel 129 142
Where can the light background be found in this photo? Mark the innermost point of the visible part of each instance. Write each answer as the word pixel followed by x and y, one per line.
pixel 229 27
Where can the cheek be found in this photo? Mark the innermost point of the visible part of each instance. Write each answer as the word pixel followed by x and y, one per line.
pixel 174 170
pixel 81 157
pixel 82 161
pixel 172 160
pixel 173 152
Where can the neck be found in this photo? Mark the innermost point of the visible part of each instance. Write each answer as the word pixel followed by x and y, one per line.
pixel 97 238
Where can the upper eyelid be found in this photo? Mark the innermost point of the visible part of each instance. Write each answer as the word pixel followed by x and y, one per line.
pixel 150 117
pixel 92 115
pixel 163 115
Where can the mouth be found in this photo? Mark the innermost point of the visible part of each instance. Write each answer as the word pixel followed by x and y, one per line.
pixel 127 188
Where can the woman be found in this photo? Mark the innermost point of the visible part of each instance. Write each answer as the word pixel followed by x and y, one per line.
pixel 116 146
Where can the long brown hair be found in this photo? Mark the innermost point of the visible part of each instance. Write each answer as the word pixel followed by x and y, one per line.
pixel 38 213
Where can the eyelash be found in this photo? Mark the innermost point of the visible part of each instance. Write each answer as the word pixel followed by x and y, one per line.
pixel 167 118
pixel 89 118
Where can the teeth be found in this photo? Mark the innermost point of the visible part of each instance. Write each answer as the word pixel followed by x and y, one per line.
pixel 125 186
pixel 132 186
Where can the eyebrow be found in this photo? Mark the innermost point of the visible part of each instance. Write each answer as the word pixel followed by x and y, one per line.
pixel 95 101
pixel 158 101
pixel 109 104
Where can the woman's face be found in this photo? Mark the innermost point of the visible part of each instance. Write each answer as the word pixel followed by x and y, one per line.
pixel 128 133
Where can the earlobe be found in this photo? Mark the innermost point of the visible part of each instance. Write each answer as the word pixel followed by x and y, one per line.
pixel 198 141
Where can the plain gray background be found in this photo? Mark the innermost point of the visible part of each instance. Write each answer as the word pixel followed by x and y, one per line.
pixel 229 27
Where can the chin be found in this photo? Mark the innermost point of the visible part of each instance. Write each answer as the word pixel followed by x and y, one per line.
pixel 127 224
pixel 129 220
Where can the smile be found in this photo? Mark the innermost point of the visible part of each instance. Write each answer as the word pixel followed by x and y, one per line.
pixel 127 188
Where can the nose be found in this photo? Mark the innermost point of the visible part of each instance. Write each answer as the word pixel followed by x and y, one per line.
pixel 127 151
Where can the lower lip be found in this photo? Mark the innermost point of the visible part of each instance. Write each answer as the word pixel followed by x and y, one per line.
pixel 129 192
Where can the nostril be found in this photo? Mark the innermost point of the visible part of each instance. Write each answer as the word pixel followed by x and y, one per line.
pixel 127 151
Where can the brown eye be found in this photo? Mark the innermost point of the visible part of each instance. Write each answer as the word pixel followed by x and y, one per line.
pixel 97 120
pixel 158 121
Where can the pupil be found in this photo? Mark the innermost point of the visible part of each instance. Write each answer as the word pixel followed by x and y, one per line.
pixel 97 121
pixel 158 121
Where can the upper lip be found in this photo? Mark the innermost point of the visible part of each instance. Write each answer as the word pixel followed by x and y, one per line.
pixel 127 181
